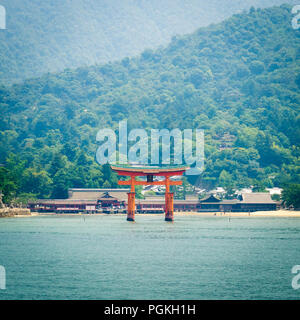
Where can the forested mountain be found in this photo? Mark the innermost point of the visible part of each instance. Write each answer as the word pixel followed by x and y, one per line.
pixel 238 80
pixel 51 35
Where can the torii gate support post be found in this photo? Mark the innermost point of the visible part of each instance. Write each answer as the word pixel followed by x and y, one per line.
pixel 169 203
pixel 169 211
pixel 131 201
pixel 131 206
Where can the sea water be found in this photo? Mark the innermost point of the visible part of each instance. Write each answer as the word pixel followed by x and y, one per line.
pixel 106 257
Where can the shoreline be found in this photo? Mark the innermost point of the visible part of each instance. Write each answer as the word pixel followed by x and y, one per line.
pixel 269 214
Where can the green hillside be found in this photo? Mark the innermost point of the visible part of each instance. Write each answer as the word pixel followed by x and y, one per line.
pixel 238 80
pixel 51 35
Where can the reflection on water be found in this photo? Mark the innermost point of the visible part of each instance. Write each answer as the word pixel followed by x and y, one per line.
pixel 106 257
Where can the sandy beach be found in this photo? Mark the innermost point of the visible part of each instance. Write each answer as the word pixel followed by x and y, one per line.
pixel 277 213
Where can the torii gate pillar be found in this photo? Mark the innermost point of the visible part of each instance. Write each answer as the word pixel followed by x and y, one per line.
pixel 131 206
pixel 131 200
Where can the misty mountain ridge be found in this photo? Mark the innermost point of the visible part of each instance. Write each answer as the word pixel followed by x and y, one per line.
pixel 69 34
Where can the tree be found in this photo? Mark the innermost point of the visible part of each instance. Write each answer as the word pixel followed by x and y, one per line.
pixel 61 183
pixel 59 162
pixel 259 186
pixel 7 186
pixel 291 195
pixel 106 185
pixel 225 180
pixel 38 183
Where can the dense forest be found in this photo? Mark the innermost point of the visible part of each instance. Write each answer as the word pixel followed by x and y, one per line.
pixel 239 80
pixel 52 35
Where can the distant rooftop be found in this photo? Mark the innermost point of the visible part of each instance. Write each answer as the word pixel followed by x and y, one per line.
pixel 256 197
pixel 94 194
pixel 275 190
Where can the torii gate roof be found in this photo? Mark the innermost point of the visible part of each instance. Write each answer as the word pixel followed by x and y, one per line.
pixel 149 170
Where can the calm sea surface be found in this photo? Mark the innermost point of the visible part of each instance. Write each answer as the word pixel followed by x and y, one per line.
pixel 106 257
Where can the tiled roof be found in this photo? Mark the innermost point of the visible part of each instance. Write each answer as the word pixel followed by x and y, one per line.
pixel 64 201
pixel 94 194
pixel 258 197
pixel 210 198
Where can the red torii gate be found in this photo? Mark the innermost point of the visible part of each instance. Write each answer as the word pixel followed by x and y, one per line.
pixel 149 172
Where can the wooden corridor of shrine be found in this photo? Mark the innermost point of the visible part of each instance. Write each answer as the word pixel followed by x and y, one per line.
pixel 150 172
